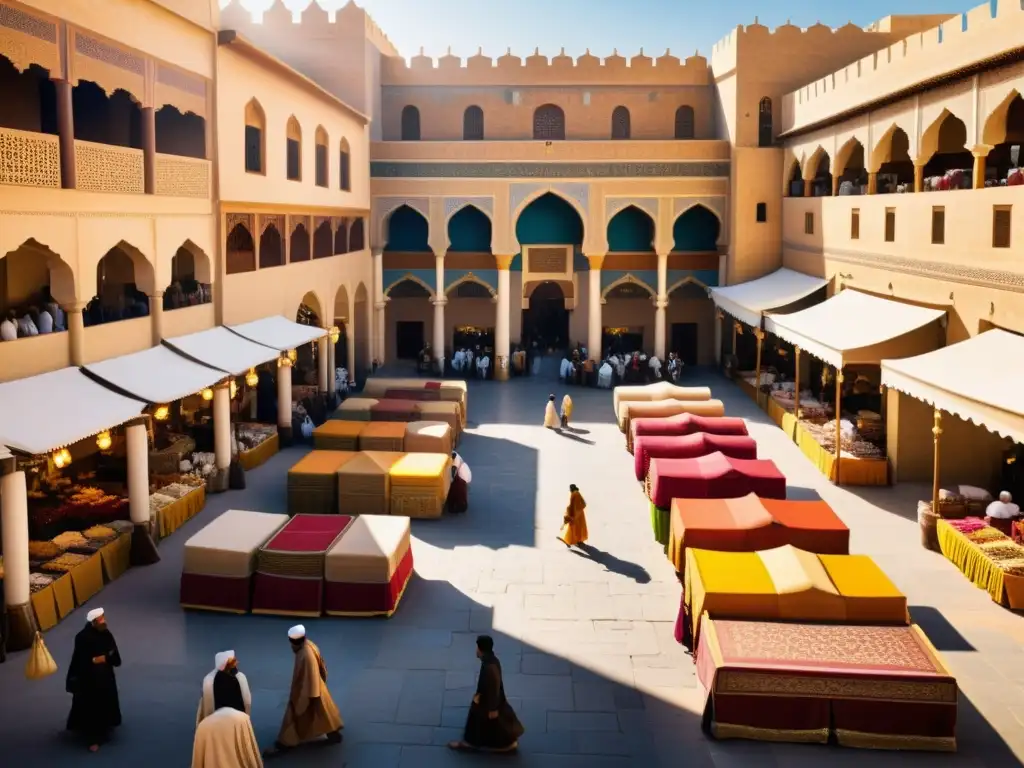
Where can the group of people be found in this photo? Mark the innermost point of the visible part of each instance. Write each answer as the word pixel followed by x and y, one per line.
pixel 554 419
pixel 224 736
pixel 471 362
pixel 35 322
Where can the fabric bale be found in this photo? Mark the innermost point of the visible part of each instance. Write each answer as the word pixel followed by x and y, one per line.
pixel 220 559
pixel 413 394
pixel 689 446
pixel 662 390
pixel 313 482
pixel 811 525
pixel 652 409
pixel 383 436
pixel 419 484
pixel 364 486
pixel 869 596
pixel 727 525
pixel 443 411
pixel 367 569
pixel 714 476
pixel 684 424
pixel 393 410
pixel 428 437
pixel 338 435
pixel 355 409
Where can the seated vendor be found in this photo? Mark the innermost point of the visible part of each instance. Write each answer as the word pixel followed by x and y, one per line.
pixel 1004 508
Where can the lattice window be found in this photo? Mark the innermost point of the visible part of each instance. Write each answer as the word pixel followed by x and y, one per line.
pixel 765 131
pixel 549 123
pixel 473 124
pixel 620 123
pixel 684 122
pixel 410 123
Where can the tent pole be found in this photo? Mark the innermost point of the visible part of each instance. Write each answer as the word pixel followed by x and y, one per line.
pixel 936 435
pixel 796 384
pixel 839 417
pixel 759 335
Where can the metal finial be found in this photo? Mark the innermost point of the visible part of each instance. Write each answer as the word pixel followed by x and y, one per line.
pixel 480 50
pixel 536 51
pixel 421 51
pixel 562 52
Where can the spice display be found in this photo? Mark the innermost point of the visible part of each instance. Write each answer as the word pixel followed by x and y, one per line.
pixel 38 581
pixel 69 540
pixel 99 532
pixel 43 550
pixel 64 563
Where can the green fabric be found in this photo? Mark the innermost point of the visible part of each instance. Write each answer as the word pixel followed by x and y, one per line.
pixel 660 520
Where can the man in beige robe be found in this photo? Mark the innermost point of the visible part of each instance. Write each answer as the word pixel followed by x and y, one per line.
pixel 225 739
pixel 310 712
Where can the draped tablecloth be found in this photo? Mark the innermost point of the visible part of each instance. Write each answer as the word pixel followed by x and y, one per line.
pixel 984 556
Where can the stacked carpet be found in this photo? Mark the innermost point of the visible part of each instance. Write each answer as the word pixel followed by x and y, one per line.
pixel 684 424
pixel 355 409
pixel 368 568
pixel 364 484
pixel 689 447
pixel 447 412
pixel 630 410
pixel 714 476
pixel 313 482
pixel 393 410
pixel 750 523
pixel 383 436
pixel 420 484
pixel 219 561
pixel 874 687
pixel 428 437
pixel 412 394
pixel 290 567
pixel 338 435
pixel 785 584
pixel 663 390
pixel 448 391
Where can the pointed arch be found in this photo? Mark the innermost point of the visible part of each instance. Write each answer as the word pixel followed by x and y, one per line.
pixel 549 123
pixel 469 277
pixel 406 230
pixel 890 146
pixel 945 131
pixel 293 149
pixel 200 262
pixel 240 250
pixel 60 275
pixel 323 240
pixel 850 155
pixel 342 310
pixel 697 228
pixel 311 310
pixel 630 230
pixel 322 143
pixel 470 230
pixel 355 235
pixel 621 127
pixel 997 125
pixel 410 123
pixel 537 195
pixel 685 281
pixel 473 124
pixel 813 164
pixel 410 277
pixel 341 237
pixel 631 280
pixel 794 176
pixel 299 245
pixel 271 247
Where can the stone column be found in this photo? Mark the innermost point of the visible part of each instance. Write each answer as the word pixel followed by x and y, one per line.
pixel 76 332
pixel 284 401
pixel 379 302
pixel 502 363
pixel 21 621
pixel 332 379
pixel 149 148
pixel 323 370
pixel 66 132
pixel 661 304
pixel 156 316
pixel 143 551
pixel 808 187
pixel 440 300
pixel 594 328
pixel 918 178
pixel 382 330
pixel 980 154
pixel 350 344
pixel 718 337
pixel 222 426
pixel 872 182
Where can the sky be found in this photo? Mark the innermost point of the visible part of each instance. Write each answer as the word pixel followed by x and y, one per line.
pixel 684 26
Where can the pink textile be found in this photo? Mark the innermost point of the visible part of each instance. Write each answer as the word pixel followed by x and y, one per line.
pixel 688 423
pixel 689 446
pixel 713 477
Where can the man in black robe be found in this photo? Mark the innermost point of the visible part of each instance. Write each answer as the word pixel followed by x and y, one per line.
pixel 491 725
pixel 95 708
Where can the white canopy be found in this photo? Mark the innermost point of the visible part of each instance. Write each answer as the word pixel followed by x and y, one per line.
pixel 981 380
pixel 223 350
pixel 747 301
pixel 156 375
pixel 850 326
pixel 278 332
pixel 53 410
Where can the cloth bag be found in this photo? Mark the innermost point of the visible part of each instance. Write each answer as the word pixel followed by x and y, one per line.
pixel 40 663
pixel 307 428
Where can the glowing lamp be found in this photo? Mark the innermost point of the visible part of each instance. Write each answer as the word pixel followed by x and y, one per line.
pixel 293 355
pixel 233 389
pixel 161 413
pixel 62 458
pixel 284 362
pixel 207 394
pixel 334 333
pixel 252 378
pixel 103 441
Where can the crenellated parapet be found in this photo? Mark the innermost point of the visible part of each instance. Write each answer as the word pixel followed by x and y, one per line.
pixel 537 69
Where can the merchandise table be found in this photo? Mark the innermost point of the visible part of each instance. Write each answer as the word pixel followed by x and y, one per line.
pixel 990 559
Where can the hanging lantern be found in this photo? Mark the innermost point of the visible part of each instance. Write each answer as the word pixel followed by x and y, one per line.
pixel 207 394
pixel 161 413
pixel 293 355
pixel 103 441
pixel 252 378
pixel 284 362
pixel 61 458
pixel 233 389
pixel 334 332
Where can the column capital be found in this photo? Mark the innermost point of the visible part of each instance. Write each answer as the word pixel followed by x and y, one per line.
pixel 377 251
pixel 439 255
pixel 439 302
pixel 503 262
pixel 381 304
pixel 661 302
pixel 75 306
pixel 596 260
pixel 981 150
pixel 156 295
pixel 663 252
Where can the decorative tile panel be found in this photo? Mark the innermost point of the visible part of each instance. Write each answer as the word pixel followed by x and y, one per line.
pixel 547 261
pixel 29 159
pixel 387 169
pixel 232 220
pixel 454 204
pixel 109 54
pixel 26 40
pixel 614 205
pixel 106 168
pixel 384 206
pixel 182 176
pixel 111 68
pixel 19 21
pixel 267 219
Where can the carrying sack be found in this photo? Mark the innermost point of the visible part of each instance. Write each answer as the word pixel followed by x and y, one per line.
pixel 40 663
pixel 307 428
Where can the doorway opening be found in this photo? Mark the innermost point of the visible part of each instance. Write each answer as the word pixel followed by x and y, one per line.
pixel 410 339
pixel 546 322
pixel 621 341
pixel 684 342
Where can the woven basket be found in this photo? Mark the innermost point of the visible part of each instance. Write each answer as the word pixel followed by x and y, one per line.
pixel 927 520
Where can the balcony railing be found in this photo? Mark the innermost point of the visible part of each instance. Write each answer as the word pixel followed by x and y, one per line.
pixel 29 159
pixel 178 176
pixel 108 168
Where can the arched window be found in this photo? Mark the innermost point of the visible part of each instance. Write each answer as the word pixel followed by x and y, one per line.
pixel 294 150
pixel 764 123
pixel 255 137
pixel 345 167
pixel 410 123
pixel 473 124
pixel 684 122
pixel 549 123
pixel 620 123
pixel 321 156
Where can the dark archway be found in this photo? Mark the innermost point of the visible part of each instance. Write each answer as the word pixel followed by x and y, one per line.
pixel 765 131
pixel 473 124
pixel 631 230
pixel 240 250
pixel 621 123
pixel 549 123
pixel 117 292
pixel 896 169
pixel 299 249
pixel 410 123
pixel 684 123
pixel 549 220
pixel 180 134
pixel 323 241
pixel 408 311
pixel 271 248
pixel 341 237
pixel 469 231
pixel 1004 130
pixel 697 229
pixel 795 182
pixel 408 231
pixel 185 289
pixel 116 120
pixel 546 321
pixel 355 235
pixel 30 99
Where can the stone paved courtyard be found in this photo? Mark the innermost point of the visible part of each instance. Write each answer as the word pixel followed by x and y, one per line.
pixel 585 642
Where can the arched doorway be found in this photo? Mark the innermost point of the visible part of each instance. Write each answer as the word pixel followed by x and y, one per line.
pixel 628 318
pixel 362 316
pixel 408 317
pixel 124 279
pixel 546 320
pixel 342 315
pixel 691 323
pixel 310 312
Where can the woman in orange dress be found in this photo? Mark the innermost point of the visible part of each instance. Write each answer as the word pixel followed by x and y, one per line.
pixel 574 524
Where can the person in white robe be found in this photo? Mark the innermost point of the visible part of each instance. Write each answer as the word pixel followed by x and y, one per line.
pixel 225 662
pixel 27 326
pixel 226 739
pixel 45 324
pixel 482 364
pixel 655 366
pixel 551 414
pixel 8 330
pixel 565 370
pixel 459 360
pixel 1004 508
pixel 604 376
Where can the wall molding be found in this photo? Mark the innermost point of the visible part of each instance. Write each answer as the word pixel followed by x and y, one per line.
pixel 390 169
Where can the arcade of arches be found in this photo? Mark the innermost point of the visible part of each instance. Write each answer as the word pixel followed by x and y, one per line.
pixel 634 295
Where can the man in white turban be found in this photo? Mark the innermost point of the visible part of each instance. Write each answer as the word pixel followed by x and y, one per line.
pixel 1004 509
pixel 225 686
pixel 95 709
pixel 311 712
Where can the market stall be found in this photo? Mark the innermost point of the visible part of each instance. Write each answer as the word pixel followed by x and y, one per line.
pixel 365 483
pixel 853 329
pixel 419 484
pixel 54 426
pixel 313 482
pixel 689 446
pixel 684 424
pixel 368 568
pixel 448 391
pixel 988 557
